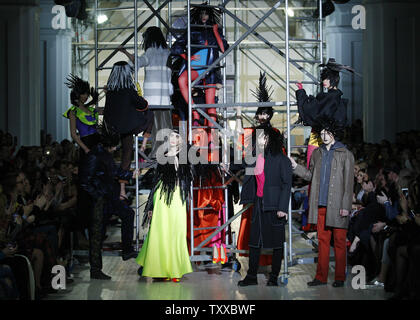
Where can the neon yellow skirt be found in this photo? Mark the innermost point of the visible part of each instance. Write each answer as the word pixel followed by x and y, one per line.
pixel 164 253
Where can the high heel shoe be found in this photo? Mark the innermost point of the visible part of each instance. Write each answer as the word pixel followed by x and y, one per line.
pixel 223 255
pixel 176 280
pixel 216 253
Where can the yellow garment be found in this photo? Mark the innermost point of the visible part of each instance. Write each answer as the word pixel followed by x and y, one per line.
pixel 314 140
pixel 139 91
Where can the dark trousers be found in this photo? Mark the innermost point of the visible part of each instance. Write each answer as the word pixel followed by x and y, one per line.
pixel 254 258
pixel 95 235
pixel 126 214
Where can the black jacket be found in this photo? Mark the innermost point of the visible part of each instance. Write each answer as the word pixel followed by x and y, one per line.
pixel 277 186
pixel 329 104
pixel 126 111
pixel 98 175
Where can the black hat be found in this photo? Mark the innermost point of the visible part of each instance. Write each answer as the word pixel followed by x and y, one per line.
pixel 334 66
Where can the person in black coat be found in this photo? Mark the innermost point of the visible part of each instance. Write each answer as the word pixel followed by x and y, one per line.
pixel 267 184
pixel 98 181
pixel 126 113
pixel 325 104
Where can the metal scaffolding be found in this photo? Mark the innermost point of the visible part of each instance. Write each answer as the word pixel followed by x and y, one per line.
pixel 309 52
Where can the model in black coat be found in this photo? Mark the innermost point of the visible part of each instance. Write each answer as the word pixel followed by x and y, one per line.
pixel 270 210
pixel 328 104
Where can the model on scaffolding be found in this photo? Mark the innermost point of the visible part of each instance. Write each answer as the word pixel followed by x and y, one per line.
pixel 157 79
pixel 126 112
pixel 331 172
pixel 208 33
pixel 327 103
pixel 164 253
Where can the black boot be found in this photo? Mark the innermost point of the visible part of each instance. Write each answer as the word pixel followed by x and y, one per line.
pixel 315 283
pixel 99 275
pixel 129 255
pixel 248 281
pixel 272 282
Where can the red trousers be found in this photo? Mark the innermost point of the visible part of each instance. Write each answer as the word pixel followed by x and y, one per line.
pixel 324 238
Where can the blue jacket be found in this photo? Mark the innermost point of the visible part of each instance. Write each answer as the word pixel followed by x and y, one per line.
pixel 199 37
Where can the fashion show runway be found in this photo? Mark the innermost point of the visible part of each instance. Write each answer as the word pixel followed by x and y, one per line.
pixel 210 282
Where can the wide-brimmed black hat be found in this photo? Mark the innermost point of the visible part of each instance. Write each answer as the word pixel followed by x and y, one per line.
pixel 334 66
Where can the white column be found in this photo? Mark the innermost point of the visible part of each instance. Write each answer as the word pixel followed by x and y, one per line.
pixel 55 37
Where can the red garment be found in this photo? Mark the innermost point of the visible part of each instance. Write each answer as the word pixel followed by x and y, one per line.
pixel 324 239
pixel 207 218
pixel 243 238
pixel 259 175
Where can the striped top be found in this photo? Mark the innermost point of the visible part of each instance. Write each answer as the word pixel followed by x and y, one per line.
pixel 157 80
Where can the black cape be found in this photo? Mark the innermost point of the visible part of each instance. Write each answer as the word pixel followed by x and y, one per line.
pixel 328 104
pixel 126 112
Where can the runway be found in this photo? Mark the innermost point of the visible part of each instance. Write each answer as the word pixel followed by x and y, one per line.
pixel 210 282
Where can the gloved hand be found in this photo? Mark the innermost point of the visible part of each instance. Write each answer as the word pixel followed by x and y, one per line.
pixel 299 85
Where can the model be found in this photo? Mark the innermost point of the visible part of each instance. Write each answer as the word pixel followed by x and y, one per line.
pixel 126 112
pixel 328 103
pixel 331 172
pixel 164 253
pixel 157 79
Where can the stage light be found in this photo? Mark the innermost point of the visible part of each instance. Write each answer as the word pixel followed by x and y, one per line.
pixel 290 12
pixel 102 18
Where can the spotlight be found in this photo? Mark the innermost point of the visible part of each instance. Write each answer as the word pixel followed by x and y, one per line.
pixel 290 12
pixel 102 18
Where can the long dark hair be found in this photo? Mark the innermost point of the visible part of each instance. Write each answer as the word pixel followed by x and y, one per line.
pixel 213 13
pixel 275 141
pixel 153 37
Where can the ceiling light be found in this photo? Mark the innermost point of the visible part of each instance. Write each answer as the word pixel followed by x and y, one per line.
pixel 102 18
pixel 290 12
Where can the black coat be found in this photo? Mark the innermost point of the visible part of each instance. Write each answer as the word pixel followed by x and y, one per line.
pixel 330 104
pixel 127 112
pixel 98 176
pixel 267 230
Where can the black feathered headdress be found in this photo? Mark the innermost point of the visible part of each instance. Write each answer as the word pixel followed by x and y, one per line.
pixel 78 87
pixel 329 124
pixel 263 94
pixel 213 13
